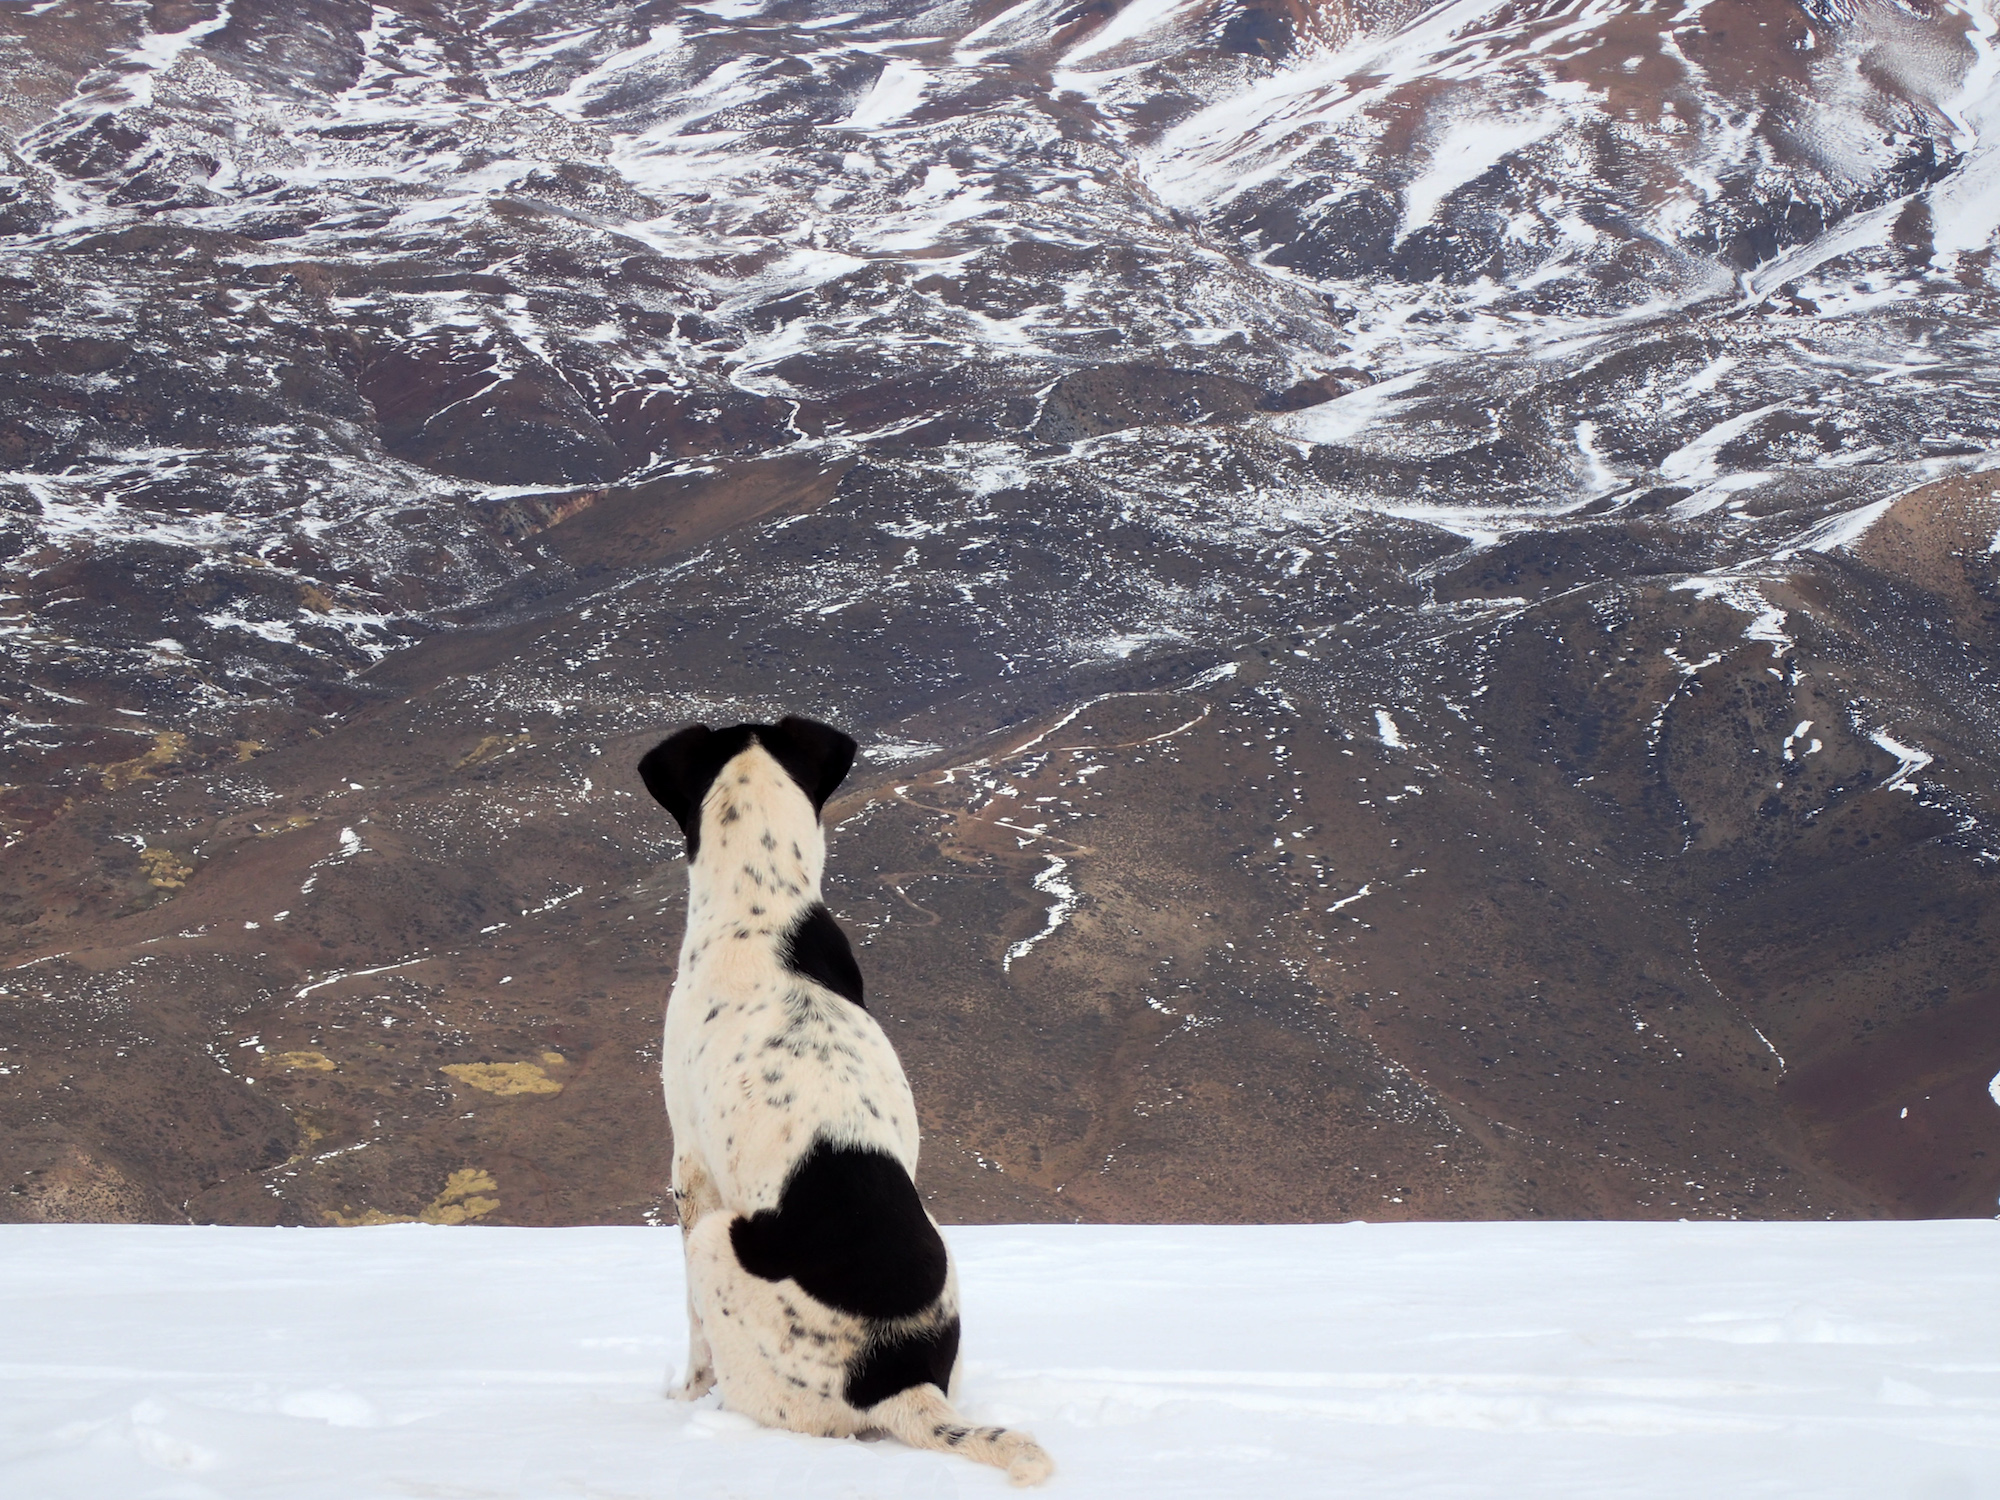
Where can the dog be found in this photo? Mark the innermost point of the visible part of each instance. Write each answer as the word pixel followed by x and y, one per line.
pixel 821 1297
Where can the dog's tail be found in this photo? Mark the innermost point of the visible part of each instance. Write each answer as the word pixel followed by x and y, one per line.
pixel 921 1417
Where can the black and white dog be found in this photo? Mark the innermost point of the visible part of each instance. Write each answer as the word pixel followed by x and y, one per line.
pixel 821 1296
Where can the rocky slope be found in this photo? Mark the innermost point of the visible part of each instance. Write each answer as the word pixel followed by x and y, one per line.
pixel 1418 587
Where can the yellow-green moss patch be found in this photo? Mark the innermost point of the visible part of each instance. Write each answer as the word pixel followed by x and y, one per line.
pixel 462 1200
pixel 168 747
pixel 164 869
pixel 504 1078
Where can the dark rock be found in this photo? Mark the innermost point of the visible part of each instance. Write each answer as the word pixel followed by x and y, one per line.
pixel 1111 398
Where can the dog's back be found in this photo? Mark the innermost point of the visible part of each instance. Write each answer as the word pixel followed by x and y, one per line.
pixel 821 1295
pixel 768 1047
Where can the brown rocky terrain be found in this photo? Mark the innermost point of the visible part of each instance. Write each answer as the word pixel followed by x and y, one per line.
pixel 1419 594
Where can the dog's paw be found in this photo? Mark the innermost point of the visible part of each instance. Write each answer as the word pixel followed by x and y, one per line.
pixel 698 1384
pixel 1024 1459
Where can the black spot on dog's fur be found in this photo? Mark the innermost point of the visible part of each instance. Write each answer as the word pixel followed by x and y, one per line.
pixel 815 948
pixel 892 1365
pixel 851 1230
pixel 681 768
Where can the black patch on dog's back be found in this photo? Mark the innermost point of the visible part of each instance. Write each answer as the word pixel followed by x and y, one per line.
pixel 681 768
pixel 851 1230
pixel 817 949
pixel 892 1365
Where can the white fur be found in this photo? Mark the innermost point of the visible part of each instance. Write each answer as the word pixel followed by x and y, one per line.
pixel 758 1064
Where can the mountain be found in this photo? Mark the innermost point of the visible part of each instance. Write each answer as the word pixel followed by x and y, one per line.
pixel 1419 590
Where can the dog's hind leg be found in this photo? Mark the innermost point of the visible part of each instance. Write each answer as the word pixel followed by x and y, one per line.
pixel 780 1357
pixel 695 1198
pixel 921 1417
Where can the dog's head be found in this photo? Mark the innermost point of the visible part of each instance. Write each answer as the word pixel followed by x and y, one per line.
pixel 681 768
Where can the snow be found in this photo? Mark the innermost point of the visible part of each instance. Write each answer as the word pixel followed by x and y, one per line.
pixel 1910 762
pixel 1402 1360
pixel 1049 882
pixel 1480 525
pixel 1136 19
pixel 1697 460
pixel 1468 148
pixel 1345 417
pixel 1201 158
pixel 1710 375
pixel 1769 627
pixel 1767 620
pixel 661 42
pixel 889 752
pixel 1599 478
pixel 1965 207
pixel 1855 233
pixel 1842 530
pixel 1350 900
pixel 898 91
pixel 1716 495
pixel 157 52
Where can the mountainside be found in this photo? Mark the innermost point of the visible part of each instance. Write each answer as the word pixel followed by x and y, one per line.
pixel 1419 589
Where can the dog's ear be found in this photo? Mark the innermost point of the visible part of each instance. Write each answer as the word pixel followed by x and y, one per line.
pixel 679 771
pixel 817 755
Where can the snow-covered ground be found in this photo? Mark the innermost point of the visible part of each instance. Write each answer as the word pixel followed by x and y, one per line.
pixel 1678 1360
